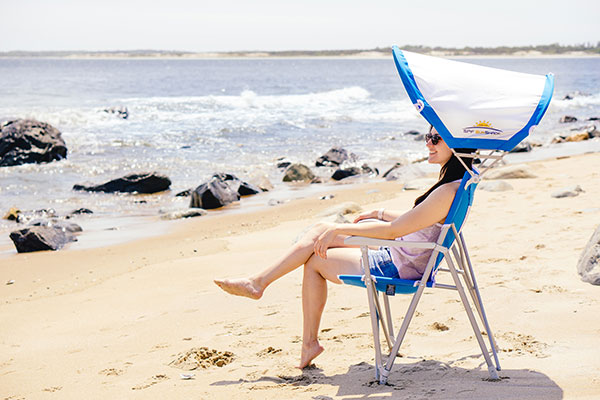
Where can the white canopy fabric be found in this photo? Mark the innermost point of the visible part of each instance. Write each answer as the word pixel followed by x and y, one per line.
pixel 472 106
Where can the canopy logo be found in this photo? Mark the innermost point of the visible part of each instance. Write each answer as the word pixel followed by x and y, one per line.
pixel 482 128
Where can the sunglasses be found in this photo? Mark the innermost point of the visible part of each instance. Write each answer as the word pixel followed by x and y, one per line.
pixel 434 137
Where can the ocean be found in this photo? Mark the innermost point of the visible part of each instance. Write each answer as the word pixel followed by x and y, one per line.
pixel 189 118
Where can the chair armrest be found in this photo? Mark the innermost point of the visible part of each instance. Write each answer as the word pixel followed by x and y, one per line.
pixel 366 241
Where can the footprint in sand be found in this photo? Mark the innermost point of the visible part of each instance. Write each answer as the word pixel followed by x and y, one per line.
pixel 268 351
pixel 152 381
pixel 202 357
pixel 111 372
pixel 520 344
pixel 52 389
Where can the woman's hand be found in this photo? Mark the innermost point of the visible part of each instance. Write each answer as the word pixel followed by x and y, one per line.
pixel 324 240
pixel 368 215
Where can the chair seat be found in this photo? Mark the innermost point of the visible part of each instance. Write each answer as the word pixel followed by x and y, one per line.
pixel 390 286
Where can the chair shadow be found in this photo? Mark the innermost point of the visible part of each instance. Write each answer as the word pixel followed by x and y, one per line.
pixel 422 379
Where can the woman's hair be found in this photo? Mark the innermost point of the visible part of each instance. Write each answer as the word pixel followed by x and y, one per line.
pixel 451 171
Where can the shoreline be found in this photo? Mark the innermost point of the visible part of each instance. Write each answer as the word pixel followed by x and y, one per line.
pixel 107 322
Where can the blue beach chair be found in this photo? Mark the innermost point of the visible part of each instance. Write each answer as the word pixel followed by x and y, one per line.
pixel 471 107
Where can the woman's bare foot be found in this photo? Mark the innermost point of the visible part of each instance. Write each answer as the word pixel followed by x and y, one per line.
pixel 240 287
pixel 309 352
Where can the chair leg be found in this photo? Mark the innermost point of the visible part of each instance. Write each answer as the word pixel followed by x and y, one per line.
pixel 371 293
pixel 480 307
pixel 382 318
pixel 474 325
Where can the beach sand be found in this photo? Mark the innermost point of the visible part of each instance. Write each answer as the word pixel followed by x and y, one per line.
pixel 107 322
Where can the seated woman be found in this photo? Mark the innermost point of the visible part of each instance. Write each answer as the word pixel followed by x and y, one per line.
pixel 325 256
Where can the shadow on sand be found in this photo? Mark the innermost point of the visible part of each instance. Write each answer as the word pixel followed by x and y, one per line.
pixel 423 379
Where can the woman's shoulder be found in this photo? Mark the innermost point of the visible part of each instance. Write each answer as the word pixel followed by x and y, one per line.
pixel 449 188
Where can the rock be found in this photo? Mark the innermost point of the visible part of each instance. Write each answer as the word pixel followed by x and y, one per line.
pixel 523 147
pixel 342 209
pixel 413 133
pixel 578 137
pixel 264 184
pixel 565 119
pixel 149 182
pixel 121 112
pixel 184 193
pixel 53 223
pixel 510 172
pixel 593 119
pixel 568 97
pixel 495 186
pixel 39 238
pixel 403 172
pixel 80 211
pixel 298 172
pixel 243 188
pixel 283 164
pixel 27 141
pixel 588 266
pixel 334 157
pixel 12 214
pixel 196 212
pixel 215 193
pixel 592 131
pixel 567 192
pixel 340 174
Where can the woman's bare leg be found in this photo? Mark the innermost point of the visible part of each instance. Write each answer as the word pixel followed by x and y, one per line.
pixel 314 294
pixel 254 286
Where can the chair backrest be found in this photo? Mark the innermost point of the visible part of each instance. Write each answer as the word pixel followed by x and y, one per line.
pixel 459 210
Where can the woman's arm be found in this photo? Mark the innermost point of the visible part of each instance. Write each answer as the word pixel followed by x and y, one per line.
pixel 433 209
pixel 386 215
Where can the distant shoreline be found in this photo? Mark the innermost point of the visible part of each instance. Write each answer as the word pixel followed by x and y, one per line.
pixel 551 51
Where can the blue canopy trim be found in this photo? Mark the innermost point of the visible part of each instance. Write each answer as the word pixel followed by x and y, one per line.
pixel 417 98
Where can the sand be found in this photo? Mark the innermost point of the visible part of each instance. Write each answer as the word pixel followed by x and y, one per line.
pixel 127 321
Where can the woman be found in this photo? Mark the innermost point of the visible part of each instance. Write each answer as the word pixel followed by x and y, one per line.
pixel 325 256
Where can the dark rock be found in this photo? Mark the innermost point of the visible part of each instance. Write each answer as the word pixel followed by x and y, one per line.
pixel 12 214
pixel 215 193
pixel 568 97
pixel 334 157
pixel 53 223
pixel 413 132
pixel 365 169
pixel 184 193
pixel 283 164
pixel 27 141
pixel 298 172
pixel 39 238
pixel 567 118
pixel 134 183
pixel 243 188
pixel 182 214
pixel 523 147
pixel 80 211
pixel 593 119
pixel 121 112
pixel 345 173
pixel 588 266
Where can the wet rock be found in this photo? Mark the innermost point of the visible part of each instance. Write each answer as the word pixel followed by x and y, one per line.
pixel 567 192
pixel 495 186
pixel 213 194
pixel 38 238
pixel 121 112
pixel 149 182
pixel 182 214
pixel 334 157
pixel 340 174
pixel 523 147
pixel 243 188
pixel 593 119
pixel 298 172
pixel 81 211
pixel 184 193
pixel 510 172
pixel 12 214
pixel 588 266
pixel 70 227
pixel 27 141
pixel 565 119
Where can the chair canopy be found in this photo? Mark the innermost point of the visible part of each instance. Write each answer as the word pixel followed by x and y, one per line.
pixel 472 106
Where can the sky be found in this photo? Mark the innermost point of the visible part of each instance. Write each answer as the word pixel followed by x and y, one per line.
pixel 247 25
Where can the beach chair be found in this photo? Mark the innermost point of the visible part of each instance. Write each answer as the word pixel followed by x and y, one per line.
pixel 451 247
pixel 471 107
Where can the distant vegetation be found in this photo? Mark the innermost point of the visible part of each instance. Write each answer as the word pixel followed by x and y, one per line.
pixel 550 49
